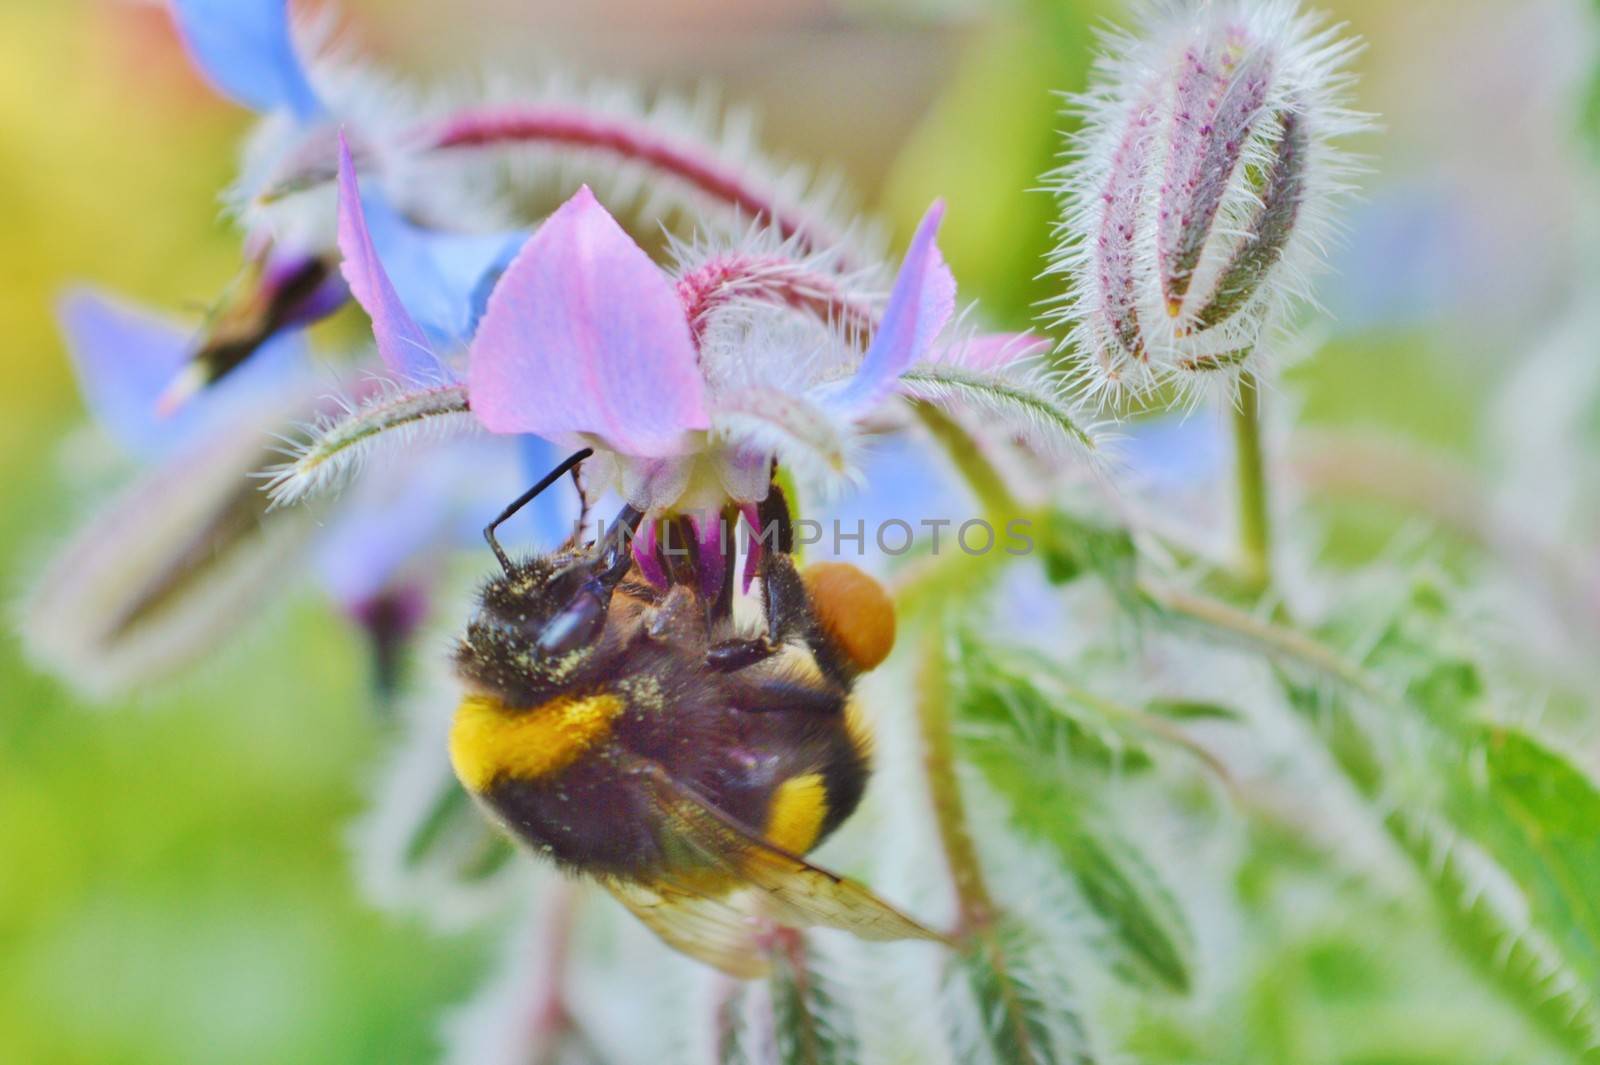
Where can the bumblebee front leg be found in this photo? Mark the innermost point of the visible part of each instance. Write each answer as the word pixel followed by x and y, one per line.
pixel 788 614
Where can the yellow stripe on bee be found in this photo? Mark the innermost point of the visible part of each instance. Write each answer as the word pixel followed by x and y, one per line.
pixel 798 808
pixel 489 741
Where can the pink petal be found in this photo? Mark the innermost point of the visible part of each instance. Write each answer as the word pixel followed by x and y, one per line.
pixel 585 334
pixel 644 553
pixel 401 342
pixel 995 351
pixel 752 560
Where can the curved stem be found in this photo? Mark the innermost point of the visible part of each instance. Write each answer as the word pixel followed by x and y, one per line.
pixel 1251 483
pixel 1279 640
pixel 974 904
pixel 1410 476
pixel 633 140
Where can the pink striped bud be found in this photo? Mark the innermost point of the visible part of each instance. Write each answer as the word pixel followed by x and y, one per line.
pixel 1200 189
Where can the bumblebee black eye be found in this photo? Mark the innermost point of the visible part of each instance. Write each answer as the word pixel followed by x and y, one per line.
pixel 575 625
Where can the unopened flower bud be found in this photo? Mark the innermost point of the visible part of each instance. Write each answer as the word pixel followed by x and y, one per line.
pixel 1201 187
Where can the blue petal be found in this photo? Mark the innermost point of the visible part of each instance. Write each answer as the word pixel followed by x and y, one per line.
pixel 406 520
pixel 125 357
pixel 406 350
pixel 909 492
pixel 922 301
pixel 424 290
pixel 245 50
pixel 442 278
pixel 1173 453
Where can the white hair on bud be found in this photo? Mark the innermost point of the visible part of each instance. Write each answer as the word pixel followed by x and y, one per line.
pixel 1200 193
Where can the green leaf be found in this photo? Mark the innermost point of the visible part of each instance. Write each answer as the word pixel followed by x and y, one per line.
pixel 811 1018
pixel 1146 935
pixel 454 833
pixel 1541 819
pixel 1541 959
pixel 1073 546
pixel 1513 953
pixel 1028 1014
pixel 1007 696
pixel 1034 742
pixel 1192 710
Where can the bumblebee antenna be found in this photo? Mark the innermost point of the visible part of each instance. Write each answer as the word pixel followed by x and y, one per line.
pixel 567 464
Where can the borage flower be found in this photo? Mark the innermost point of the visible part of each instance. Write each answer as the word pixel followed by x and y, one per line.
pixel 440 162
pixel 688 385
pixel 187 553
pixel 249 52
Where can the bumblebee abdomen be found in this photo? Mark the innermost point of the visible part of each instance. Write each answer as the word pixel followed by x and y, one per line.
pixel 553 774
pixel 590 818
pixel 490 741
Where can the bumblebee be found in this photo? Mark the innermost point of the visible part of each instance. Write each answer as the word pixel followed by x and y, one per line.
pixel 639 737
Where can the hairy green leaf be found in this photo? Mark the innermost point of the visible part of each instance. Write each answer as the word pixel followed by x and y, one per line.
pixel 811 1017
pixel 1073 546
pixel 1028 1014
pixel 1193 710
pixel 1038 748
pixel 1541 819
pixel 1493 933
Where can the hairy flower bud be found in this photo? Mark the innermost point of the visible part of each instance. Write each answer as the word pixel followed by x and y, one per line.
pixel 1200 188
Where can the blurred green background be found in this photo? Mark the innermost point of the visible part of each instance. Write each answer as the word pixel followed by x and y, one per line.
pixel 173 883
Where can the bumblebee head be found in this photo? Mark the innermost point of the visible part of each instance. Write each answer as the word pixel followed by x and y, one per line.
pixel 542 618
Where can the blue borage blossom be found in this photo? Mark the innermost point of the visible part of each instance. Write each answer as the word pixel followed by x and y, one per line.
pixel 688 383
pixel 135 377
pixel 440 163
pixel 189 550
pixel 246 49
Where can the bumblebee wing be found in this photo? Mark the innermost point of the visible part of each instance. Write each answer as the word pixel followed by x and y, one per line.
pixel 792 891
pixel 710 930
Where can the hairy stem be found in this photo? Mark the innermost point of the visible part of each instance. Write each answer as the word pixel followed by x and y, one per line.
pixel 1251 483
pixel 1152 725
pixel 635 141
pixel 1278 640
pixel 974 904
pixel 1410 476
pixel 551 1022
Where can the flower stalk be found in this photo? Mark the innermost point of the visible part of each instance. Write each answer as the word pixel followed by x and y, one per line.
pixel 631 139
pixel 1250 485
pixel 974 905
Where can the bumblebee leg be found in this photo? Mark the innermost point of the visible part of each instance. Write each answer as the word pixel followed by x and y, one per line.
pixel 730 656
pixel 614 555
pixel 773 695
pixel 788 614
pixel 776 530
